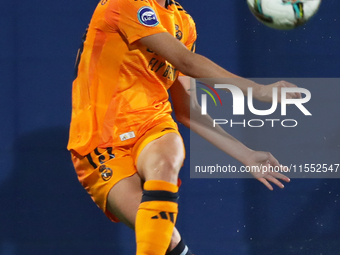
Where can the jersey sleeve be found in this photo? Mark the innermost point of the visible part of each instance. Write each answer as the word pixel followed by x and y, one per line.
pixel 136 19
pixel 192 37
pixel 191 41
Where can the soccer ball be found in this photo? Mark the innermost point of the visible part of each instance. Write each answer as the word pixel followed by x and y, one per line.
pixel 283 14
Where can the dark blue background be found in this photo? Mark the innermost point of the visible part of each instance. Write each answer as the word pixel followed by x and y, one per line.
pixel 43 208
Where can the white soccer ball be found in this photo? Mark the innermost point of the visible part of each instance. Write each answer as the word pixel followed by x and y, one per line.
pixel 283 14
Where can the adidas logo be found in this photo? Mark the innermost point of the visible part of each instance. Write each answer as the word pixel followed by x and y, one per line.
pixel 167 128
pixel 164 216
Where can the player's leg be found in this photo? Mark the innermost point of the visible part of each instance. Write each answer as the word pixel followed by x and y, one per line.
pixel 110 177
pixel 158 164
pixel 123 201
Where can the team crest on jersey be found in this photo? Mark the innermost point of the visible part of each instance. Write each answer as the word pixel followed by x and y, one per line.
pixel 105 172
pixel 103 2
pixel 147 16
pixel 179 33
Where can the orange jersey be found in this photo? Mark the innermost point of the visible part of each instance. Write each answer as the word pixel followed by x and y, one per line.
pixel 121 86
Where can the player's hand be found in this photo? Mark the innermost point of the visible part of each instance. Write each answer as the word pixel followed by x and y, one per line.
pixel 265 92
pixel 265 164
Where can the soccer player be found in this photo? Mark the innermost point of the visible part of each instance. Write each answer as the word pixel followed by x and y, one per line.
pixel 126 148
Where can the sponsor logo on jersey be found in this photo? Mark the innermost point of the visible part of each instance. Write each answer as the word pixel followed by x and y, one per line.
pixel 147 16
pixel 166 69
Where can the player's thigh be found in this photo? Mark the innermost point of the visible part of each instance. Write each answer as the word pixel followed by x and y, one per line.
pixel 124 198
pixel 162 158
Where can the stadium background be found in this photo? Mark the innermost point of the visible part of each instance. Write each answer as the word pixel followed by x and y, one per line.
pixel 44 210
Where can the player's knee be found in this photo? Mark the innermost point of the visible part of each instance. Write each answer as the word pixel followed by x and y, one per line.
pixel 170 165
pixel 164 167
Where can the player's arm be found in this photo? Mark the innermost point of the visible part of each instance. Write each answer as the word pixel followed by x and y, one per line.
pixel 198 66
pixel 203 125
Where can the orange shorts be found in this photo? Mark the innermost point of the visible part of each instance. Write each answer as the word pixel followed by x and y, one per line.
pixel 100 170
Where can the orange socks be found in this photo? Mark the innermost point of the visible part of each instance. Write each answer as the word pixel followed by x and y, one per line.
pixel 156 217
